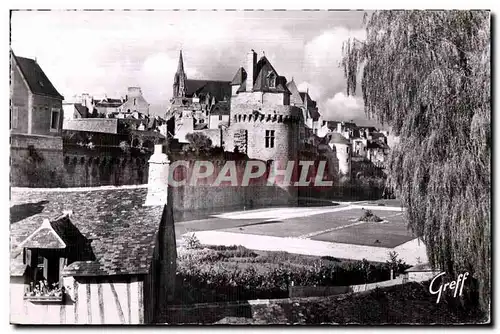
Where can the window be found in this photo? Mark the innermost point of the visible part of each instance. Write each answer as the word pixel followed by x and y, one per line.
pixel 271 80
pixel 220 117
pixel 135 101
pixel 15 116
pixel 54 119
pixel 269 138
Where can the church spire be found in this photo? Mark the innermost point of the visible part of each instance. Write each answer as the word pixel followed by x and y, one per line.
pixel 180 79
pixel 180 66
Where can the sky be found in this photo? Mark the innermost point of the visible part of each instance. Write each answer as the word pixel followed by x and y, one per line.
pixel 104 52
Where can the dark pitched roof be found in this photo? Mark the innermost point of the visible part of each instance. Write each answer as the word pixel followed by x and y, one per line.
pixel 221 108
pixel 337 138
pixel 37 81
pixel 243 87
pixel 295 98
pixel 108 102
pixel 200 126
pixel 82 110
pixel 376 144
pixel 239 77
pixel 263 68
pixel 332 125
pixel 121 232
pixel 218 89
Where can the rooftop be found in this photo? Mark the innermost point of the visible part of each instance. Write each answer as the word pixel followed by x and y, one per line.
pixel 337 138
pixel 36 79
pixel 120 230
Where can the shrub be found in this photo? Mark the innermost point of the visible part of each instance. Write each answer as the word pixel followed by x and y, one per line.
pixel 368 216
pixel 396 264
pixel 191 241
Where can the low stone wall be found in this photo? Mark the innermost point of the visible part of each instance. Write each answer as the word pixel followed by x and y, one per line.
pixel 320 291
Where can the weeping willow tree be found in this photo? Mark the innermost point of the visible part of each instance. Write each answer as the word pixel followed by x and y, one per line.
pixel 426 74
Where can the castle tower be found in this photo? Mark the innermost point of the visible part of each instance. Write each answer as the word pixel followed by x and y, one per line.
pixel 180 79
pixel 262 118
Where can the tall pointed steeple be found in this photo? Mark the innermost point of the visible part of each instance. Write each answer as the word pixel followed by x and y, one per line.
pixel 180 66
pixel 180 79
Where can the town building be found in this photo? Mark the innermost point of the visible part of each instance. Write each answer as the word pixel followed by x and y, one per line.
pixel 35 122
pixel 93 256
pixel 135 103
pixel 107 106
pixel 75 110
pixel 264 124
pixel 261 114
pixel 36 105
pixel 196 104
pixel 343 149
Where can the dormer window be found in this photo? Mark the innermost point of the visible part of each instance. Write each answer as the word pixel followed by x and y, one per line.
pixel 271 80
pixel 47 251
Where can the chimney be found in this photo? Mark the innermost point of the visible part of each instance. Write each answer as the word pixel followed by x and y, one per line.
pixel 251 62
pixel 158 178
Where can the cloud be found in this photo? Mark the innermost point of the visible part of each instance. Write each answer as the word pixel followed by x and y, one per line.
pixel 322 57
pixel 343 108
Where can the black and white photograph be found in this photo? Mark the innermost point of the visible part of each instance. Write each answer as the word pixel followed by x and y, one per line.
pixel 250 167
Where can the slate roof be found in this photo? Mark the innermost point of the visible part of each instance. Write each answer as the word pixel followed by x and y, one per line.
pixel 108 102
pixel 239 77
pixel 377 144
pixel 221 108
pixel 337 138
pixel 82 110
pixel 262 70
pixel 219 89
pixel 37 81
pixel 295 97
pixel 120 231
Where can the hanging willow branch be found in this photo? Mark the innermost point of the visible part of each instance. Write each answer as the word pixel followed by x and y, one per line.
pixel 427 75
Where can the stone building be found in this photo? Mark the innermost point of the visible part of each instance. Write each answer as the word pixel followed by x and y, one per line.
pixel 343 148
pixel 36 105
pixel 263 122
pixel 194 102
pixel 106 106
pixel 259 113
pixel 134 102
pixel 35 123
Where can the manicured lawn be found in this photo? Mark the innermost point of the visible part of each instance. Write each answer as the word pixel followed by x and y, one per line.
pixel 390 234
pixel 296 227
